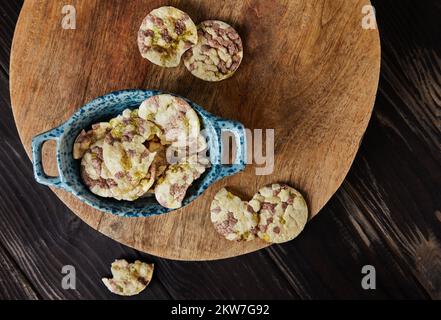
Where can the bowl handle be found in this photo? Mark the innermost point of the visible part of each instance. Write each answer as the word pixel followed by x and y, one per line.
pixel 37 163
pixel 239 133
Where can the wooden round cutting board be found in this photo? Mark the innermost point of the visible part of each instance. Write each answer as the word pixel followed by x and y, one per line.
pixel 310 71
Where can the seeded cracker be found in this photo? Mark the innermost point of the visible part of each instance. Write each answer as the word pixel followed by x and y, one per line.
pixel 282 211
pixel 129 278
pixel 127 158
pixel 165 34
pixel 233 218
pixel 218 53
pixel 92 168
pixel 179 122
pixel 171 189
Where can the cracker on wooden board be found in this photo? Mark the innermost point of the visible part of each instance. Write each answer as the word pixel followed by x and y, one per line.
pixel 218 53
pixel 233 218
pixel 283 213
pixel 165 34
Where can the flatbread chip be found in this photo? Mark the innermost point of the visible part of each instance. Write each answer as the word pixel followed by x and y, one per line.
pixel 233 218
pixel 165 34
pixel 218 53
pixel 283 213
pixel 129 279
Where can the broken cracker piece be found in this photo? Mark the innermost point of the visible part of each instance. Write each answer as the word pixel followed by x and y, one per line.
pixel 129 278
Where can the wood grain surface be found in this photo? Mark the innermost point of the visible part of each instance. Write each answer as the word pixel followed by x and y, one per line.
pixel 310 73
pixel 387 213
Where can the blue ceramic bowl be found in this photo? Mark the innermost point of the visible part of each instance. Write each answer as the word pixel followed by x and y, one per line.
pixel 108 106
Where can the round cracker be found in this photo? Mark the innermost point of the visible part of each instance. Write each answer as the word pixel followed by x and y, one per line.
pixel 119 165
pixel 283 213
pixel 233 218
pixel 129 164
pixel 165 34
pixel 100 181
pixel 126 156
pixel 177 119
pixel 218 53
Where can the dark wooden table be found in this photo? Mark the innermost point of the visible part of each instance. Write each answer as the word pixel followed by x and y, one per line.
pixel 386 214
